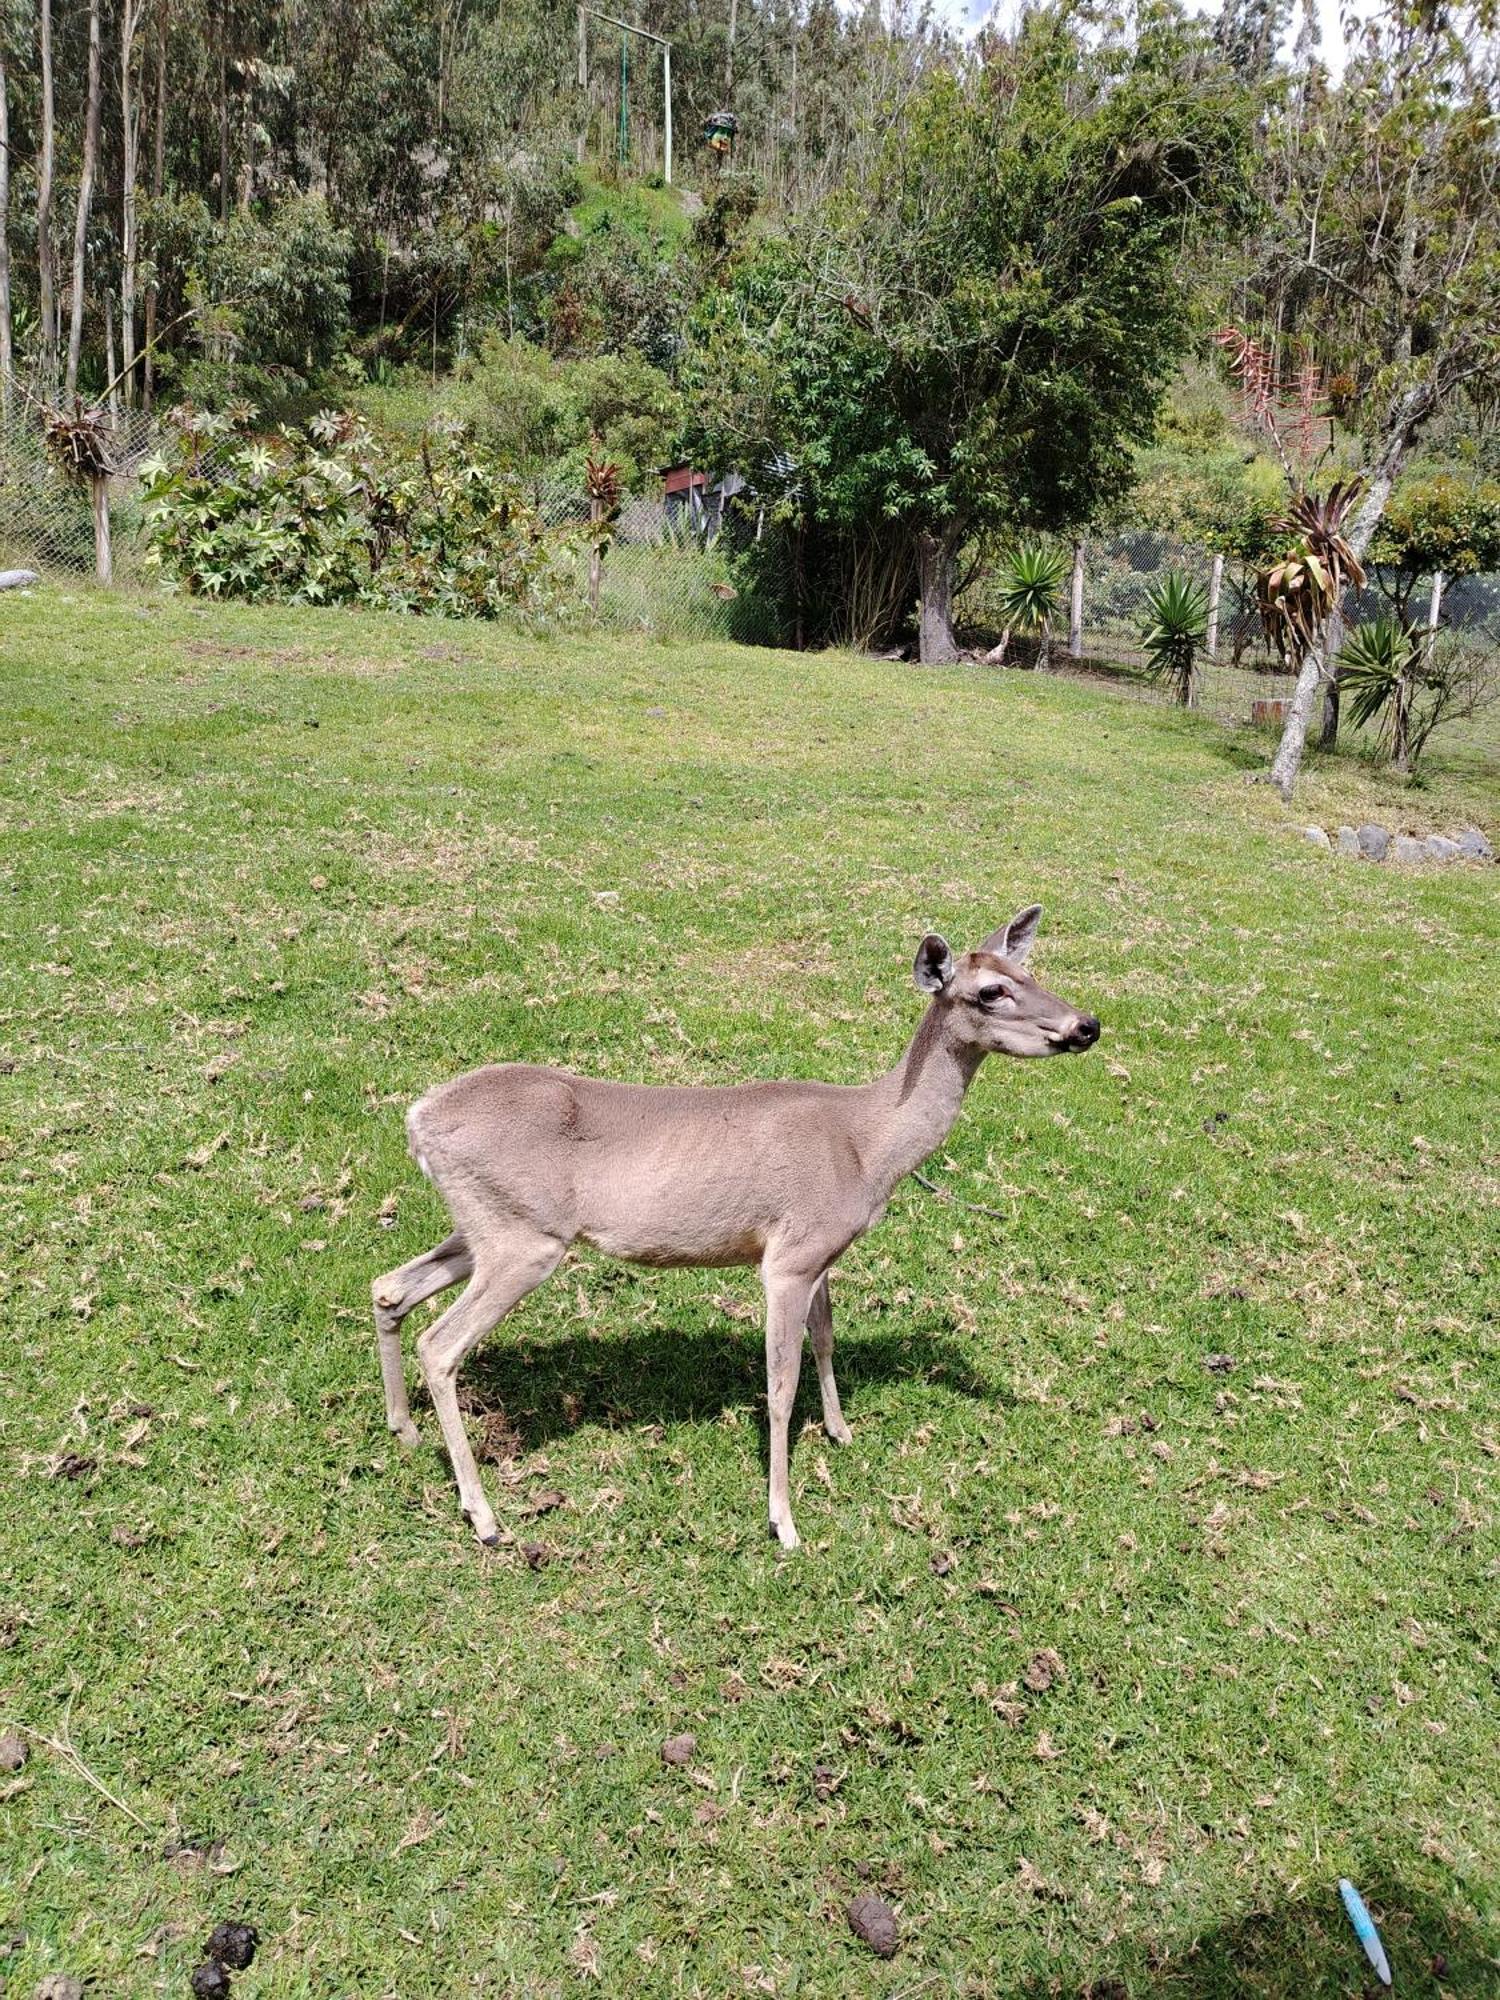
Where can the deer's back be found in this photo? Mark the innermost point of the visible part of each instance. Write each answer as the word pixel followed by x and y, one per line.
pixel 657 1174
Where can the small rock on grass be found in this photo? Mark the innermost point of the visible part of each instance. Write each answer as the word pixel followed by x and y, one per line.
pixel 13 1751
pixel 1407 850
pixel 1316 835
pixel 1348 840
pixel 233 1945
pixel 1440 847
pixel 1218 1364
pixel 679 1749
pixel 59 1986
pixel 874 1923
pixel 209 1981
pixel 1473 845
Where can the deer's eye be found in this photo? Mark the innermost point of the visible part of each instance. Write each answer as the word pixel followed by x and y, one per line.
pixel 991 996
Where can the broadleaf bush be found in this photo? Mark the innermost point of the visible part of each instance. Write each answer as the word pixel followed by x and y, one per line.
pixel 324 516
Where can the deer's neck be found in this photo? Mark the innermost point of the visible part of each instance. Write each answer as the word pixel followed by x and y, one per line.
pixel 916 1105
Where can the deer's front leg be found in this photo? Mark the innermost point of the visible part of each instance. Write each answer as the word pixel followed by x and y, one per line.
pixel 820 1329
pixel 788 1296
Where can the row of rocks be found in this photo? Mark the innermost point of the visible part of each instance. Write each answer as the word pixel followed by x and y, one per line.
pixel 1378 843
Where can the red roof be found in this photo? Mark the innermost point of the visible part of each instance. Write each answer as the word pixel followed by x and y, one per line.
pixel 682 478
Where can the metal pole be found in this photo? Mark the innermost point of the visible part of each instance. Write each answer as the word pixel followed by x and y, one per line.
pixel 624 97
pixel 1075 609
pixel 666 86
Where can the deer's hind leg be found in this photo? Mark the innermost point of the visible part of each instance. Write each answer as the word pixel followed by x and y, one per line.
pixel 506 1269
pixel 820 1331
pixel 395 1295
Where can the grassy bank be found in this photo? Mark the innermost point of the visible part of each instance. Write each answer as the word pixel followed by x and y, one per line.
pixel 1157 1589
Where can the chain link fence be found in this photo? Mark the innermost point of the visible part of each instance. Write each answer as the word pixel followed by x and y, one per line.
pixel 664 571
pixel 1106 612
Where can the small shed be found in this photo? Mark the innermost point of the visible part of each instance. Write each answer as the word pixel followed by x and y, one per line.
pixel 697 501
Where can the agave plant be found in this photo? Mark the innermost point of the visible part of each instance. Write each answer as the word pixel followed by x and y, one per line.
pixel 1296 593
pixel 1029 589
pixel 1178 627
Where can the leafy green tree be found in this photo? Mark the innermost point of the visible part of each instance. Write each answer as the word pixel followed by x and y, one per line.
pixel 977 335
pixel 1442 523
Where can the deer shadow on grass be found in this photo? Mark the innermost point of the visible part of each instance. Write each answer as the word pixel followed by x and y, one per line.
pixel 1302 1950
pixel 550 1386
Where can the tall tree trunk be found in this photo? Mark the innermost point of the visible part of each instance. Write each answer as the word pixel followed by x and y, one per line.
pixel 130 132
pixel 1405 424
pixel 935 641
pixel 46 255
pixel 1329 736
pixel 158 180
pixel 7 358
pixel 85 200
pixel 223 115
pixel 734 21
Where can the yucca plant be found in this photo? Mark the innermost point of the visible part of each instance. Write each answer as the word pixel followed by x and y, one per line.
pixel 1380 670
pixel 1029 589
pixel 1178 627
pixel 1297 592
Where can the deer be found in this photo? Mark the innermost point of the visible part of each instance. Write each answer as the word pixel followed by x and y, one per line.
pixel 531 1160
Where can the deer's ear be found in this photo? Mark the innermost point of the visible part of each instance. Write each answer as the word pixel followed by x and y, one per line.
pixel 934 966
pixel 1018 936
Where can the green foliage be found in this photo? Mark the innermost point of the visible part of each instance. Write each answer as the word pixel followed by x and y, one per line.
pixel 617 282
pixel 1409 683
pixel 323 517
pixel 1443 522
pixel 281 284
pixel 1028 585
pixel 1376 658
pixel 1177 626
pixel 535 414
pixel 975 336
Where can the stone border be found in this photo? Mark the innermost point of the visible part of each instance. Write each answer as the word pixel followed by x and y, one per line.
pixel 1378 843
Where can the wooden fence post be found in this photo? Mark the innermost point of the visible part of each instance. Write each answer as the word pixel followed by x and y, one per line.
pixel 1215 586
pixel 1075 613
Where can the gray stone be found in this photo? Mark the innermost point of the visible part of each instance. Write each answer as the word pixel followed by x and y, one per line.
pixel 1473 846
pixel 17 579
pixel 1348 840
pixel 1440 847
pixel 1373 842
pixel 1316 835
pixel 1405 849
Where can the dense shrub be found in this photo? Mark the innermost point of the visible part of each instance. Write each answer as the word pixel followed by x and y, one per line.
pixel 324 517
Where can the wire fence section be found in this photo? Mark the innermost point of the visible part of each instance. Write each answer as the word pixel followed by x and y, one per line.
pixel 1236 676
pixel 668 570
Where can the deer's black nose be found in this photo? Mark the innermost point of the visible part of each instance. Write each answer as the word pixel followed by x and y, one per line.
pixel 1086 1033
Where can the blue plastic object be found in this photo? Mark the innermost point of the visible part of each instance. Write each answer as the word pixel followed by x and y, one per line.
pixel 1365 1931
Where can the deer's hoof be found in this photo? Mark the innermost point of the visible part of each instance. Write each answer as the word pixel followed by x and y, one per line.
pixel 840 1433
pixel 490 1541
pixel 784 1533
pixel 406 1433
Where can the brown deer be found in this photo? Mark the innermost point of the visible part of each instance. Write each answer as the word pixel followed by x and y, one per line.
pixel 784 1175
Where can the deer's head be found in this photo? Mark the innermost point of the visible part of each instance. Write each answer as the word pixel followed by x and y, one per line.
pixel 990 1001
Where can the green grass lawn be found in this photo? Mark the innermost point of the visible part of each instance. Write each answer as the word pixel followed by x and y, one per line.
pixel 1100 1664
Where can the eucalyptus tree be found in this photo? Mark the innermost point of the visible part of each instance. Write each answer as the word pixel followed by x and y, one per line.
pixel 1381 252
